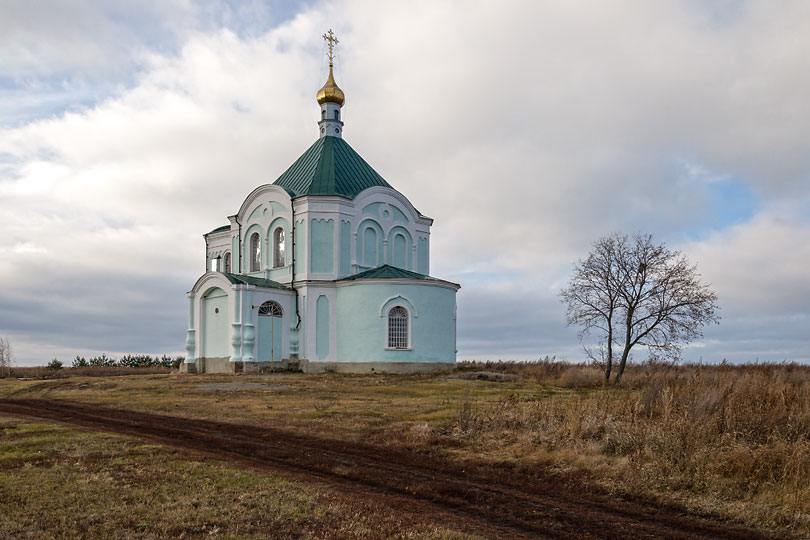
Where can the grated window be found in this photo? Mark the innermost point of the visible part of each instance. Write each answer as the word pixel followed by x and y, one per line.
pixel 398 328
pixel 270 308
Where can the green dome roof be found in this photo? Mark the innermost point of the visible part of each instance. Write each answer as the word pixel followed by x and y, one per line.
pixel 329 167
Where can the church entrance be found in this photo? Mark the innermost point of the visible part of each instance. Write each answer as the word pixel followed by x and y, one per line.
pixel 270 330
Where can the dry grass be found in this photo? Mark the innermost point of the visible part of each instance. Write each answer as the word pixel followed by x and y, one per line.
pixel 734 437
pixel 730 440
pixel 42 372
pixel 59 482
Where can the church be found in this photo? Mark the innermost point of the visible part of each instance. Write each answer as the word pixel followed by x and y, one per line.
pixel 325 269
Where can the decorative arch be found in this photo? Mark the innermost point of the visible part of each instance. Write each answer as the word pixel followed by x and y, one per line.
pixel 398 300
pixel 210 280
pixel 382 193
pixel 276 193
pixel 400 251
pixel 273 253
pixel 370 246
pixel 249 248
pixel 214 291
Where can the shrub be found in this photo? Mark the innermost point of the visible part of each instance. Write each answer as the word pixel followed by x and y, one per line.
pixel 102 361
pixel 79 362
pixel 54 364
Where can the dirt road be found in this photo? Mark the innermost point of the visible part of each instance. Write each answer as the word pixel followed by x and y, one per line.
pixel 493 502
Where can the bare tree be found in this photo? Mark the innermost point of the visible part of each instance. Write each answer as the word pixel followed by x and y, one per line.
pixel 630 291
pixel 6 356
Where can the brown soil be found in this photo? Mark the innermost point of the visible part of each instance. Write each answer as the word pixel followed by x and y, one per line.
pixel 496 502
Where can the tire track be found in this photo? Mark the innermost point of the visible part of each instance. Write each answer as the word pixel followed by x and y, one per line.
pixel 491 501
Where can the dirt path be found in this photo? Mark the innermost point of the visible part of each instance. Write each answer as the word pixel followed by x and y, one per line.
pixel 490 501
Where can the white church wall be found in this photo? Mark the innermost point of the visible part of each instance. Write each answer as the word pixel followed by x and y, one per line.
pixel 311 331
pixel 386 211
pixel 218 244
pixel 318 236
pixel 215 323
pixel 266 208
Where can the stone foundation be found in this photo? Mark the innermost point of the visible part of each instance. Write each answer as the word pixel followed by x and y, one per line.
pixel 224 365
pixel 375 367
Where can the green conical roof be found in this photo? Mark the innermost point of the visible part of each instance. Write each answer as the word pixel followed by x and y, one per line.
pixel 329 167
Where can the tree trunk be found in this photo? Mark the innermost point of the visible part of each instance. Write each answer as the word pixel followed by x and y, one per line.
pixel 626 351
pixel 620 369
pixel 609 362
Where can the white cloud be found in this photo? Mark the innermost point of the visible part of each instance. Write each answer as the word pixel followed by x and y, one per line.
pixel 526 129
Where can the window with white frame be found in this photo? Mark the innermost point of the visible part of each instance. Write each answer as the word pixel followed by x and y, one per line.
pixel 398 328
pixel 227 261
pixel 255 252
pixel 278 248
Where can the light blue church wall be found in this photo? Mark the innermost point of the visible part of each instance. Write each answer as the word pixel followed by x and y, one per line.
pixel 322 242
pixel 422 256
pixel 372 209
pixel 277 207
pixel 399 248
pixel 345 247
pixel 322 327
pixel 272 337
pixel 215 324
pixel 300 246
pixel 256 214
pixel 369 243
pixel 303 329
pixel 398 215
pixel 362 315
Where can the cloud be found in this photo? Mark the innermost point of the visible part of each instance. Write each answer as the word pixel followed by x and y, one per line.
pixel 526 130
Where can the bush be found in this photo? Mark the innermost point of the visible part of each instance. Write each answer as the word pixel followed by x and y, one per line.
pixel 102 361
pixel 54 364
pixel 79 362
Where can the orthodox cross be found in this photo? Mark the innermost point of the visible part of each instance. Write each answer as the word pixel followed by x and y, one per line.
pixel 332 40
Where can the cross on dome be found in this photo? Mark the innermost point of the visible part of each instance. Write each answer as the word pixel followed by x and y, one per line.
pixel 330 38
pixel 330 97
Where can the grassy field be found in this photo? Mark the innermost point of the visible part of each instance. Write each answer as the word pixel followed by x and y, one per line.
pixel 720 440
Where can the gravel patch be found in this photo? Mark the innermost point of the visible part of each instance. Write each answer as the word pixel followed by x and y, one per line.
pixel 229 386
pixel 490 376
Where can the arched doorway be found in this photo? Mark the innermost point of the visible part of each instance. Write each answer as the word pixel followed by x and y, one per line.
pixel 215 323
pixel 270 330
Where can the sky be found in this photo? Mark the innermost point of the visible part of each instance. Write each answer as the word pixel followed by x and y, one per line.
pixel 527 130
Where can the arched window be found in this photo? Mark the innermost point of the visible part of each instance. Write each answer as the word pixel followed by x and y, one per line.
pixel 400 249
pixel 255 252
pixel 278 248
pixel 270 309
pixel 227 260
pixel 398 328
pixel 323 114
pixel 370 247
pixel 337 114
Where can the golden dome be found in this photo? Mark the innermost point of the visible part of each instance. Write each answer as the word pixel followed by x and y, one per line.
pixel 330 91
